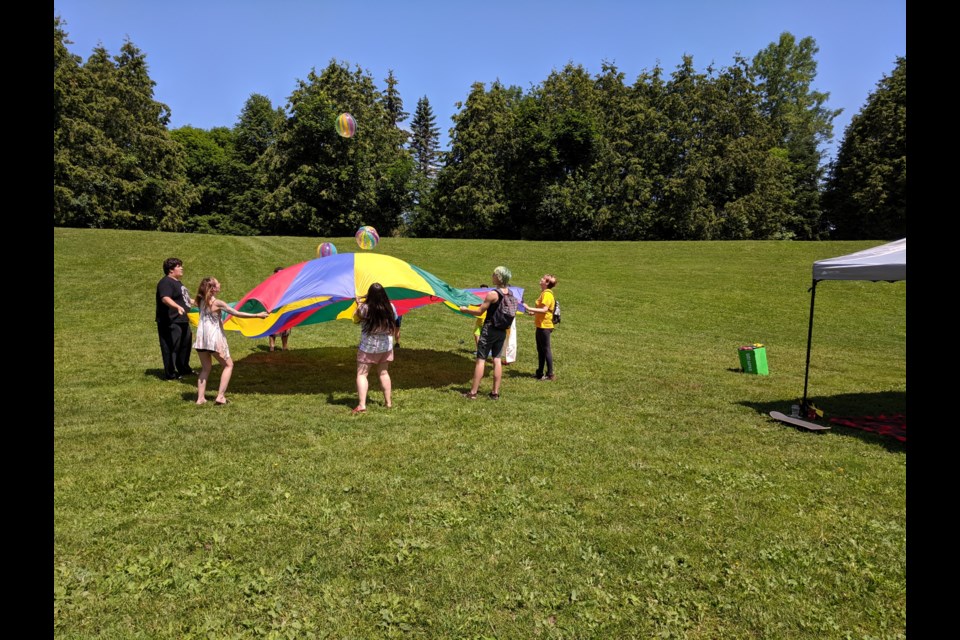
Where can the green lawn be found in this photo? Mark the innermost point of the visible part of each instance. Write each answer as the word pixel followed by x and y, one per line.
pixel 643 494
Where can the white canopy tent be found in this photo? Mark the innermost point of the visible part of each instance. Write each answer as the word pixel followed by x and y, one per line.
pixel 886 263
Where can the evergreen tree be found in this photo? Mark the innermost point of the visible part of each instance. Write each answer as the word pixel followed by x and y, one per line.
pixel 642 148
pixel 66 77
pixel 866 191
pixel 551 181
pixel 425 138
pixel 684 210
pixel 622 177
pixel 425 150
pixel 528 168
pixel 255 132
pixel 321 184
pixel 256 128
pixel 747 180
pixel 392 100
pixel 69 88
pixel 115 164
pixel 214 168
pixel 469 199
pixel 786 71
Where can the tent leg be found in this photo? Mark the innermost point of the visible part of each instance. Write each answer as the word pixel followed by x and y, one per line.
pixel 806 373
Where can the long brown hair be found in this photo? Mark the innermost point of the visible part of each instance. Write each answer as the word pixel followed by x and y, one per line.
pixel 205 291
pixel 378 316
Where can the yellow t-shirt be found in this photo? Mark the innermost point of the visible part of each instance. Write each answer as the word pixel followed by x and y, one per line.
pixel 544 320
pixel 479 324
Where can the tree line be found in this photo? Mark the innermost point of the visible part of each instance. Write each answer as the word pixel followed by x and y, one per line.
pixel 725 153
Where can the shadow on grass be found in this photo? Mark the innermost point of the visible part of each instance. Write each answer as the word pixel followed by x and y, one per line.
pixel 333 370
pixel 509 370
pixel 847 405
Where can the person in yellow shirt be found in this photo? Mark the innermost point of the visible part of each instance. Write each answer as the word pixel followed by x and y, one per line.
pixel 542 312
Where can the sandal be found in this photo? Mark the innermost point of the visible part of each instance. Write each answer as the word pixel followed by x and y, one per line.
pixel 470 396
pixel 358 410
pixel 494 396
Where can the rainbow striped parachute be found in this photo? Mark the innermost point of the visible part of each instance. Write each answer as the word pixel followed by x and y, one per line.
pixel 325 289
pixel 482 293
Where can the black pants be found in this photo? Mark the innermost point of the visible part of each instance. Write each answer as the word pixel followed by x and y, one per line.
pixel 544 352
pixel 175 344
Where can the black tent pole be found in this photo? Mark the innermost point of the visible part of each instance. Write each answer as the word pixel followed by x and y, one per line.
pixel 806 374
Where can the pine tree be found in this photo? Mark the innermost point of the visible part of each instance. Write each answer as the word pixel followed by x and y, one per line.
pixel 786 71
pixel 469 199
pixel 866 191
pixel 424 149
pixel 68 126
pixel 550 162
pixel 115 163
pixel 425 139
pixel 392 100
pixel 257 126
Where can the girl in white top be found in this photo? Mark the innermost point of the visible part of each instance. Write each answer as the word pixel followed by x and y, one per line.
pixel 211 340
pixel 379 327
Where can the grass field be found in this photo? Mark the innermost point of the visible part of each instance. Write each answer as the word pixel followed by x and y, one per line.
pixel 643 494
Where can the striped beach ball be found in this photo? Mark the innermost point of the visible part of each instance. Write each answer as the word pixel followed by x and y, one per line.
pixel 325 249
pixel 367 237
pixel 346 125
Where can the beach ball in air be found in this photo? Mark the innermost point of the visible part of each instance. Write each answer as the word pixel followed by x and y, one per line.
pixel 346 125
pixel 367 237
pixel 325 249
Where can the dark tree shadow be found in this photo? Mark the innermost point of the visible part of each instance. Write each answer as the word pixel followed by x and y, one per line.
pixel 509 370
pixel 333 370
pixel 847 405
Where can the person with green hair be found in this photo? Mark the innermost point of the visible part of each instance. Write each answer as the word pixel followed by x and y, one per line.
pixel 492 339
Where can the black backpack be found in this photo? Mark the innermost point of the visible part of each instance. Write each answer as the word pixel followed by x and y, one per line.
pixel 556 311
pixel 506 311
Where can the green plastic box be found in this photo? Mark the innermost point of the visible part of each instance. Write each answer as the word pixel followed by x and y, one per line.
pixel 754 360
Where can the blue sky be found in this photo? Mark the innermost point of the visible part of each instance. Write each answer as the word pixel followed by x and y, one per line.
pixel 208 56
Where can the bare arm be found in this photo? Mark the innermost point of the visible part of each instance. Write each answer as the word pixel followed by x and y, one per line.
pixel 543 309
pixel 223 306
pixel 357 313
pixel 491 297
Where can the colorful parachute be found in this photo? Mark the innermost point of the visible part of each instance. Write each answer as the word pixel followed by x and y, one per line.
pixel 325 289
pixel 482 293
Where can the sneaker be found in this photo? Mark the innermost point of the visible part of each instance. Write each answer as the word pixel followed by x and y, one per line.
pixel 549 378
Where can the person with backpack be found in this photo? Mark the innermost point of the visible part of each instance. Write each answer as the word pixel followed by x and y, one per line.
pixel 544 311
pixel 500 307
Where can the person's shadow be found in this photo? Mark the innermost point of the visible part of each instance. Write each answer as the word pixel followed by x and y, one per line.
pixel 330 370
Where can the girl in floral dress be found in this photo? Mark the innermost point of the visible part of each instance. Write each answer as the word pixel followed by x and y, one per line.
pixel 211 340
pixel 378 319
